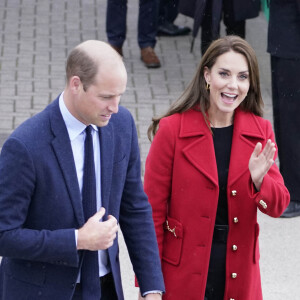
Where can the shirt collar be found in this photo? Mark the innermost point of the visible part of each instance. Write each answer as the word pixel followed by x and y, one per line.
pixel 74 126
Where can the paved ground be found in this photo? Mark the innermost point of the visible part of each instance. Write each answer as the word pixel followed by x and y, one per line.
pixel 35 37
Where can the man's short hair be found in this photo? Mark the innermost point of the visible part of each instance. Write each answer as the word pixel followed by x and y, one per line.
pixel 80 64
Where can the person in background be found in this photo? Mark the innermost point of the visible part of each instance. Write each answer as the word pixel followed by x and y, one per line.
pixel 283 46
pixel 209 170
pixel 68 177
pixel 147 28
pixel 234 15
pixel 168 12
pixel 209 13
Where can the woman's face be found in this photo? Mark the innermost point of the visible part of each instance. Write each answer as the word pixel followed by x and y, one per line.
pixel 229 84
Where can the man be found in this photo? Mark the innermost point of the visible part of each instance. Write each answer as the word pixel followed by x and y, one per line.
pixel 283 46
pixel 48 241
pixel 147 28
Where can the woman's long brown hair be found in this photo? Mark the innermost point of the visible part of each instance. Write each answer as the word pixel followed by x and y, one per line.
pixel 196 95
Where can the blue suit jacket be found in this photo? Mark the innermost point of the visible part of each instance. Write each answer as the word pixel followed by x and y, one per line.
pixel 40 206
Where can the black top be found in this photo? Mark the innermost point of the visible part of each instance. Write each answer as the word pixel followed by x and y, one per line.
pixel 222 142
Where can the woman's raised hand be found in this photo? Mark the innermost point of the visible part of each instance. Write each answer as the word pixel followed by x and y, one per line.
pixel 261 161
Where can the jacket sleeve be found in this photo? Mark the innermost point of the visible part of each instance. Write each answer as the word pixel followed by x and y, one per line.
pixel 158 176
pixel 17 185
pixel 137 224
pixel 273 197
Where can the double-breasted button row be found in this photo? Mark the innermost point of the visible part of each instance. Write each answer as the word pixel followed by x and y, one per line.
pixel 234 193
pixel 234 247
pixel 263 204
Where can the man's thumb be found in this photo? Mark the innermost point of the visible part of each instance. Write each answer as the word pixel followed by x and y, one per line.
pixel 99 215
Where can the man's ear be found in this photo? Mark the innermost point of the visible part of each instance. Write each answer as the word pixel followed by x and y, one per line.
pixel 75 84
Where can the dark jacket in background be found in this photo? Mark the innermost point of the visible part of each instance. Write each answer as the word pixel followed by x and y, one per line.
pixel 243 10
pixel 284 29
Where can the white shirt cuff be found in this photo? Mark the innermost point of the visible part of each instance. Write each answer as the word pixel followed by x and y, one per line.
pixel 152 292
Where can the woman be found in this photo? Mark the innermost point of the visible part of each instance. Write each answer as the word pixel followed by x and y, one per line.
pixel 210 166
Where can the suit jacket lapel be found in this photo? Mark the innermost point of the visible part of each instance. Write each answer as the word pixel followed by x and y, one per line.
pixel 107 154
pixel 246 134
pixel 199 152
pixel 62 148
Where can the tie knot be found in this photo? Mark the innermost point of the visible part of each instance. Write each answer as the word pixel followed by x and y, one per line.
pixel 89 129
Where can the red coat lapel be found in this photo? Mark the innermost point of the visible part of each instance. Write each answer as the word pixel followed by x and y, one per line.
pixel 199 152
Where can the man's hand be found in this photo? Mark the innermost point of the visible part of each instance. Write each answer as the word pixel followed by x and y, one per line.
pixel 97 235
pixel 153 297
pixel 140 296
pixel 260 162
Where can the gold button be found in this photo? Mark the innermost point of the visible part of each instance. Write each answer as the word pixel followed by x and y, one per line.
pixel 233 192
pixel 263 204
pixel 231 299
pixel 234 247
pixel 234 275
pixel 235 220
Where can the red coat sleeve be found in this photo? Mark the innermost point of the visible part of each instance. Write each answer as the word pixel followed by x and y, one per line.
pixel 273 197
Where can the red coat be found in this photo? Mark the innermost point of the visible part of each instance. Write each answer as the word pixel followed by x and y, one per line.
pixel 181 181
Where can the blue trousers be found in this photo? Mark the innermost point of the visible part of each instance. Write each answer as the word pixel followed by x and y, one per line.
pixel 147 22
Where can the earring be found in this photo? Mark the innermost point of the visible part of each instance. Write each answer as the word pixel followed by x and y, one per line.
pixel 207 86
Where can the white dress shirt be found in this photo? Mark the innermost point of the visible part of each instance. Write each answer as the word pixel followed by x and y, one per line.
pixel 76 131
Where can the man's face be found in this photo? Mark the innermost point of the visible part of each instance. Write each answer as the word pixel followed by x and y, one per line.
pixel 101 100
